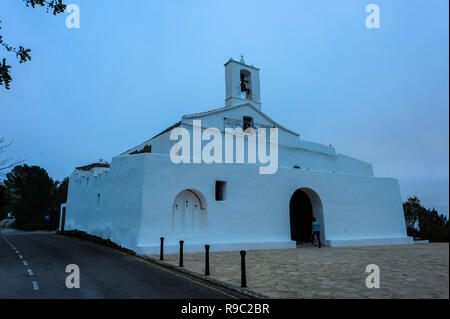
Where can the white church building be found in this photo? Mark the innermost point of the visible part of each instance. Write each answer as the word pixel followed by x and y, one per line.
pixel 228 201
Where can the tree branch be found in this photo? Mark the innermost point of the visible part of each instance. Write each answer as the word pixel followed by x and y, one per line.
pixel 56 5
pixel 22 54
pixel 6 163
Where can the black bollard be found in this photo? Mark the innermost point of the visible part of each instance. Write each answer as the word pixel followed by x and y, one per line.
pixel 161 252
pixel 181 253
pixel 207 260
pixel 243 276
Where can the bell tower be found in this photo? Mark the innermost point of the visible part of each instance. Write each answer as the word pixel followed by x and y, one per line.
pixel 241 83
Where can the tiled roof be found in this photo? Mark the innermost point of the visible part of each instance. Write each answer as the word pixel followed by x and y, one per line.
pixel 161 133
pixel 167 129
pixel 91 166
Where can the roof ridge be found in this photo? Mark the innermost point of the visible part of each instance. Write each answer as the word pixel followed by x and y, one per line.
pixel 187 116
pixel 206 112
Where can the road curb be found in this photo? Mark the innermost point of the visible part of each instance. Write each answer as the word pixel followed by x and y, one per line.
pixel 220 283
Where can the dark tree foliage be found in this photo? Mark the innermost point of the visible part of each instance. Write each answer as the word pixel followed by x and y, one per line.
pixel 51 5
pixel 33 195
pixel 61 192
pixel 5 78
pixel 4 200
pixel 23 54
pixel 423 223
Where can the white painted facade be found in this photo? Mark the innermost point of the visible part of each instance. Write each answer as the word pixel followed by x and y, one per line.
pixel 145 196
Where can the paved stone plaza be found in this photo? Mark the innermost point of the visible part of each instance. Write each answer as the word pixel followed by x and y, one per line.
pixel 406 271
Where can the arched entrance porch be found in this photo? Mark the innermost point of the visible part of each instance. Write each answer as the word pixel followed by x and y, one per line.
pixel 303 206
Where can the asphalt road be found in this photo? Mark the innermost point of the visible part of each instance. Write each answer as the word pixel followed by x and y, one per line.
pixel 33 264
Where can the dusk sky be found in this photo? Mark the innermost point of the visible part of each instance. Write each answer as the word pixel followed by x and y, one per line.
pixel 133 68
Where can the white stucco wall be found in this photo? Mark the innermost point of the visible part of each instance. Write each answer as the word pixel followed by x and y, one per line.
pixel 117 213
pixel 137 193
pixel 356 209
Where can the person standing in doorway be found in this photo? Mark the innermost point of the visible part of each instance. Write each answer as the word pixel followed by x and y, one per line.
pixel 315 231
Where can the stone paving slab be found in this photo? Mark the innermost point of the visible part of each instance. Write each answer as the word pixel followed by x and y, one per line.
pixel 406 271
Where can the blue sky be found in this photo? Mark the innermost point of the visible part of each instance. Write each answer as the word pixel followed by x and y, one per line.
pixel 135 67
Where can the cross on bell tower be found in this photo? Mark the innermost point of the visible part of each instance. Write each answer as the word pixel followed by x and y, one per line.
pixel 241 83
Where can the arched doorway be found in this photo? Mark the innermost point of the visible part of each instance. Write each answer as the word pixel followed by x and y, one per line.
pixel 189 213
pixel 303 206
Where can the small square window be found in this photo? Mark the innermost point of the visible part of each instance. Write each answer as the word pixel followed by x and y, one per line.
pixel 221 190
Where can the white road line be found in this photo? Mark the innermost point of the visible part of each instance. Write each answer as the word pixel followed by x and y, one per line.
pixel 30 272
